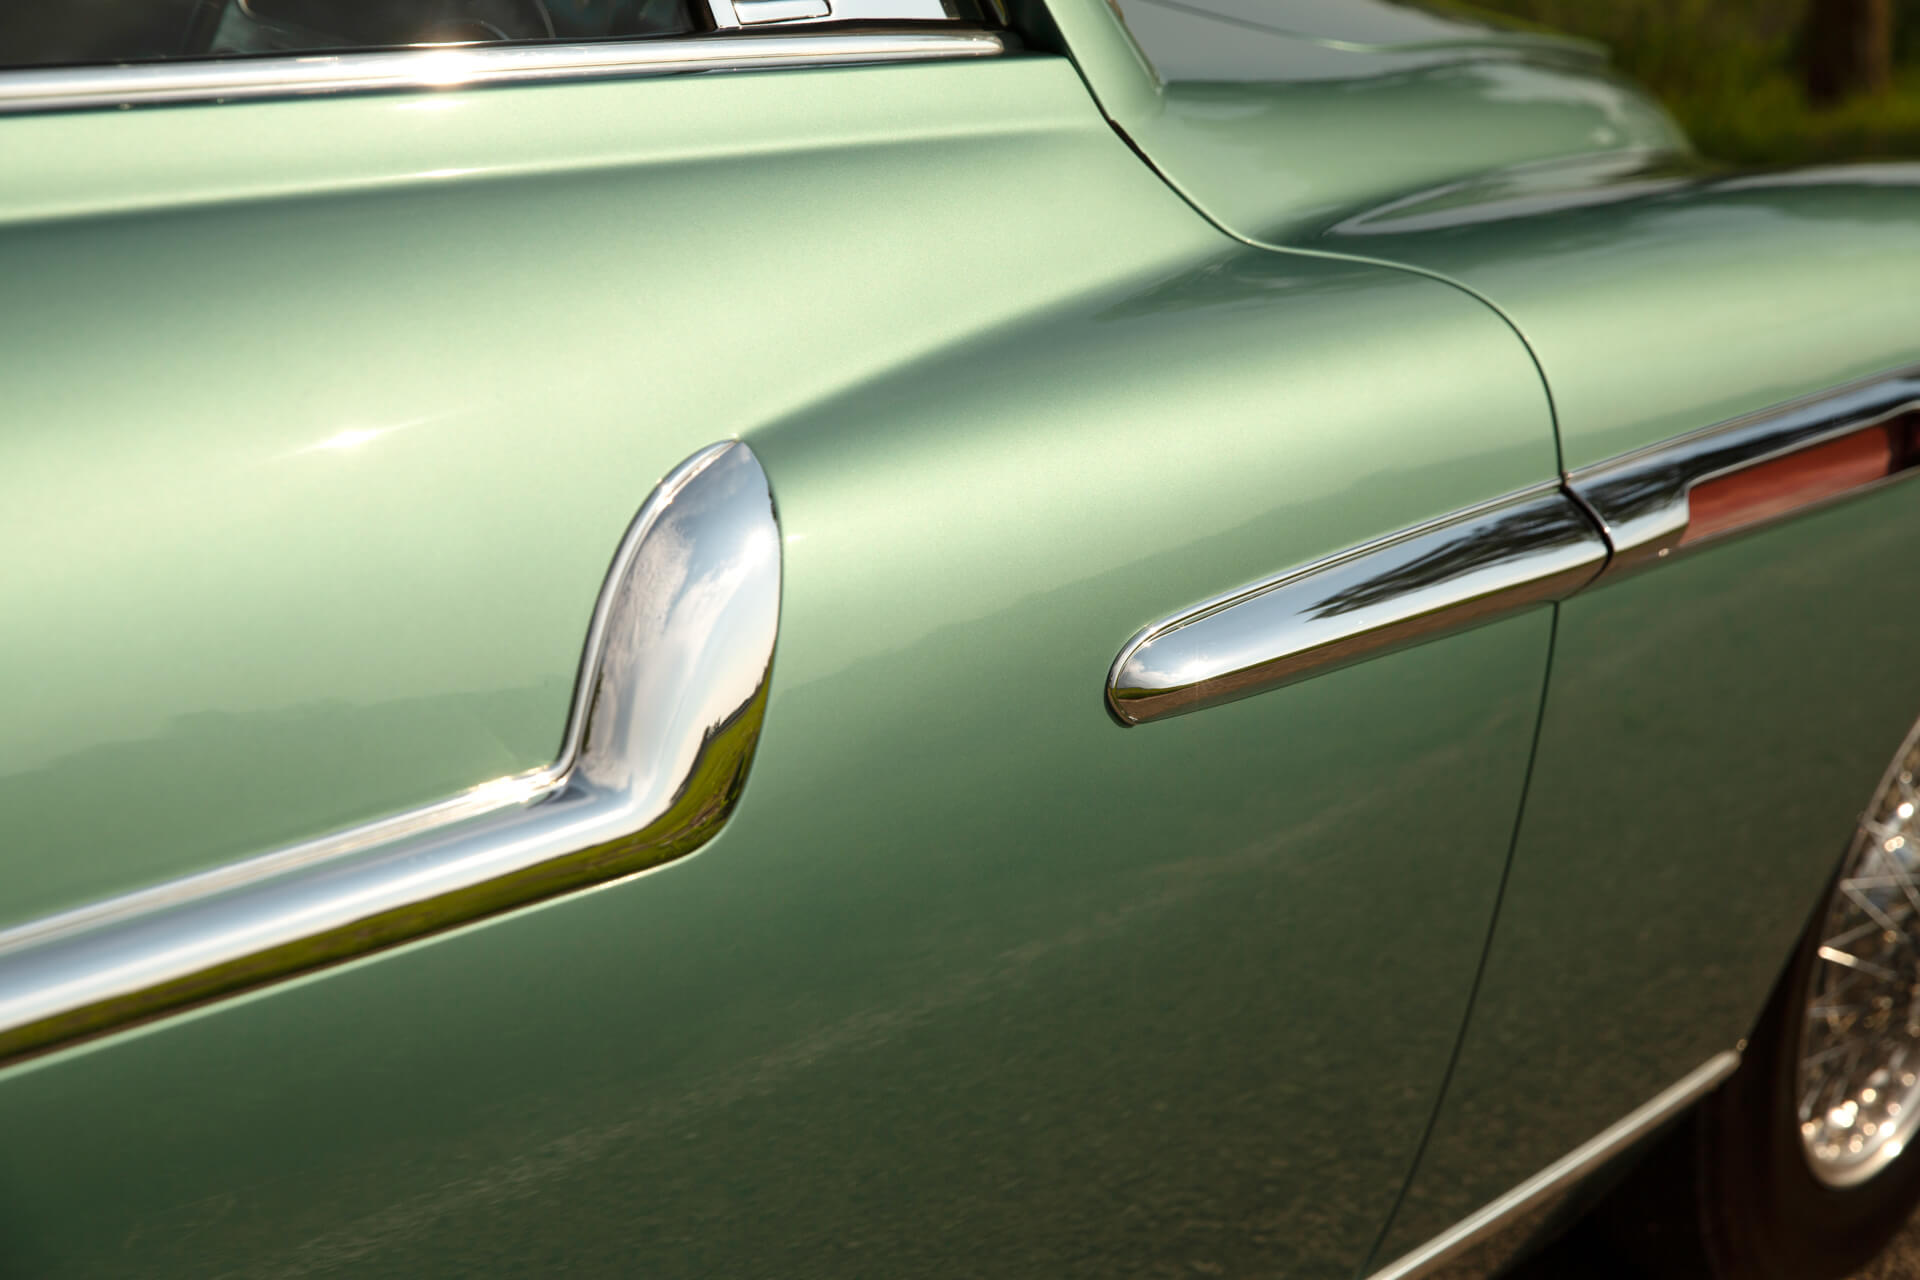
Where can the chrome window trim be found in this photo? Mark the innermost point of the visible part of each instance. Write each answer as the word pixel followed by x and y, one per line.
pixel 440 67
pixel 728 15
pixel 1463 569
pixel 1641 497
pixel 665 721
pixel 1529 1203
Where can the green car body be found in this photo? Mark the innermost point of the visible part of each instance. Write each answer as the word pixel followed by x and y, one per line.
pixel 325 417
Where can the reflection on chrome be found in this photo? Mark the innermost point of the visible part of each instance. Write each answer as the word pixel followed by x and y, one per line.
pixel 1647 498
pixel 666 717
pixel 730 14
pixel 1859 1068
pixel 1465 569
pixel 417 69
pixel 1540 545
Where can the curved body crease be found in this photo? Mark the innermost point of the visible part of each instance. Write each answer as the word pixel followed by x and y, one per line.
pixel 1729 357
pixel 348 579
pixel 1274 519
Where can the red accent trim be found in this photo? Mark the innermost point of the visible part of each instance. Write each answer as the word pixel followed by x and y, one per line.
pixel 1771 489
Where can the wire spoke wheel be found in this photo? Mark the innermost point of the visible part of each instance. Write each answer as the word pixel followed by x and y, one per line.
pixel 1858 1081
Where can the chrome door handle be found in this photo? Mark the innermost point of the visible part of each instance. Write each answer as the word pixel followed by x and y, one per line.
pixel 1444 576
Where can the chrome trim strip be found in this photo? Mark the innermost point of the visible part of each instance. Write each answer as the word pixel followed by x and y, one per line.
pixel 754 12
pixel 1642 496
pixel 1563 1174
pixel 466 66
pixel 728 14
pixel 1463 569
pixel 665 720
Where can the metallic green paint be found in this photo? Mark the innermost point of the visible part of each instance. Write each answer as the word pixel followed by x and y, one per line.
pixel 318 451
pixel 1184 43
pixel 1712 727
pixel 1323 134
pixel 1238 153
pixel 1562 195
pixel 1766 287
pixel 974 979
pixel 322 428
pixel 1712 731
pixel 1383 25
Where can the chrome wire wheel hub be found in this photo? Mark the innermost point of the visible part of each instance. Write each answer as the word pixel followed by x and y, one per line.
pixel 1859 1072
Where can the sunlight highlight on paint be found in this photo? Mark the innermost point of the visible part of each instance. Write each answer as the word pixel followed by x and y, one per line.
pixel 352 438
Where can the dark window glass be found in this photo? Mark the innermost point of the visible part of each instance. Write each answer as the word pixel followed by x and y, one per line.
pixel 110 31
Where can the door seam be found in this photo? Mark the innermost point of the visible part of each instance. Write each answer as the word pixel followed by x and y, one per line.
pixel 1480 970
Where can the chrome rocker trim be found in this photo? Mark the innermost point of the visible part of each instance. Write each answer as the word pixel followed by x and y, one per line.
pixel 666 716
pixel 1642 497
pixel 468 66
pixel 1462 570
pixel 1524 1207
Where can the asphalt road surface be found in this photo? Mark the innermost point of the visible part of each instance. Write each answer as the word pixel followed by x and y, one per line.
pixel 1584 1255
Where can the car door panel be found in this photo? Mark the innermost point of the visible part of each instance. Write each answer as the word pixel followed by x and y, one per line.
pixel 385 380
pixel 1729 356
pixel 1720 710
pixel 1721 707
pixel 975 978
pixel 1709 739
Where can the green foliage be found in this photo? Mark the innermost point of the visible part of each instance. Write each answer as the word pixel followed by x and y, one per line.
pixel 1730 72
